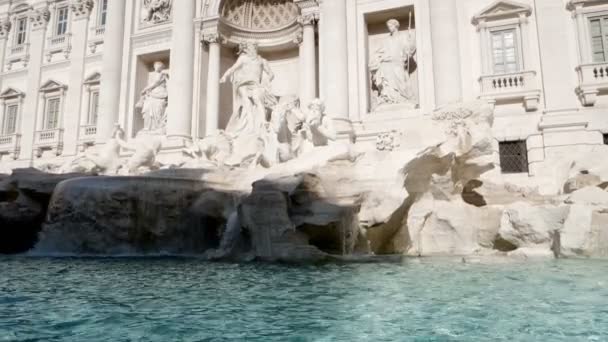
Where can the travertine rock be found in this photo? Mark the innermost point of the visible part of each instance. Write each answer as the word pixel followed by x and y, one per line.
pixel 24 198
pixel 133 215
pixel 534 226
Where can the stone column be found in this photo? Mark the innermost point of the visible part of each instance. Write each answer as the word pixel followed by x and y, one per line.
pixel 111 70
pixel 81 11
pixel 308 60
pixel 179 120
pixel 38 19
pixel 212 112
pixel 446 51
pixel 333 14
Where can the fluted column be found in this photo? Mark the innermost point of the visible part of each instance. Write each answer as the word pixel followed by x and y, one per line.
pixel 179 122
pixel 212 111
pixel 446 51
pixel 38 21
pixel 81 12
pixel 308 60
pixel 111 70
pixel 334 31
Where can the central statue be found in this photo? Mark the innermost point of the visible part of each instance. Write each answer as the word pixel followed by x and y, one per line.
pixel 252 96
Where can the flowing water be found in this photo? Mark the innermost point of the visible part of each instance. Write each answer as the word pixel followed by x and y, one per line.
pixel 139 299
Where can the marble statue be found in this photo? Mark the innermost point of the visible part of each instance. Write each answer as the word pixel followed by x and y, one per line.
pixel 156 11
pixel 391 67
pixel 145 148
pixel 154 100
pixel 104 160
pixel 287 120
pixel 252 95
pixel 317 130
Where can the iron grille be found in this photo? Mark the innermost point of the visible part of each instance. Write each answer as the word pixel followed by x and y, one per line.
pixel 513 156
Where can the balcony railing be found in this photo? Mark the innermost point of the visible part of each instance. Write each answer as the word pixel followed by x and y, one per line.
pixel 592 79
pixel 10 144
pixel 100 30
pixel 58 44
pixel 49 139
pixel 18 53
pixel 18 49
pixel 512 86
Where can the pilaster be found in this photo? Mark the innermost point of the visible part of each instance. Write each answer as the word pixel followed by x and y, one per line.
pixel 38 18
pixel 81 10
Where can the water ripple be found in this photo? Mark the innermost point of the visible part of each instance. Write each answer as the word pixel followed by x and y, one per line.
pixel 141 299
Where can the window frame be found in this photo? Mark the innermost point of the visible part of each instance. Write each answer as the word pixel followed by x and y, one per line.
pixel 45 120
pixel 524 162
pixel 93 108
pixel 517 35
pixel 5 115
pixel 102 13
pixel 59 23
pixel 18 32
pixel 516 47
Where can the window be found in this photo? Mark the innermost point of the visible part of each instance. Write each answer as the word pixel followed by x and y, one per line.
pixel 93 108
pixel 103 12
pixel 598 29
pixel 52 113
pixel 504 51
pixel 605 138
pixel 21 31
pixel 513 156
pixel 9 125
pixel 62 21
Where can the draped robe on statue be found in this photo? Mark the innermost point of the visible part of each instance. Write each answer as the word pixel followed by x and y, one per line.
pixel 389 67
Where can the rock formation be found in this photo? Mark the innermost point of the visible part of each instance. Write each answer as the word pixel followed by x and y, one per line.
pixel 440 197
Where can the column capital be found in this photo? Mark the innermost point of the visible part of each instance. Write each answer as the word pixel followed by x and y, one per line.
pixel 5 28
pixel 81 8
pixel 308 19
pixel 39 18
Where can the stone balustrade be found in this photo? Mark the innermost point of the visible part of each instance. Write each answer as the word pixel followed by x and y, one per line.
pixel 86 136
pixel 520 85
pixel 592 79
pixel 10 144
pixel 50 139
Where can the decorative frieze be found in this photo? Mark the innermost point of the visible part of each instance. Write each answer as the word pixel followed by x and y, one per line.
pixel 81 9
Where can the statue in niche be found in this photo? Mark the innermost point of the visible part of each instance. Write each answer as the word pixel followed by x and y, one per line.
pixel 392 65
pixel 252 96
pixel 156 11
pixel 154 100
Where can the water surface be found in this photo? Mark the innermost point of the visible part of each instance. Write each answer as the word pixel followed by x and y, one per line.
pixel 70 299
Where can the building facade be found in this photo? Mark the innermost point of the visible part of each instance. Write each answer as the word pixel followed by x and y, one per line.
pixel 71 71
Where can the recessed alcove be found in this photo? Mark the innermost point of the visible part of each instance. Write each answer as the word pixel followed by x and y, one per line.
pixel 376 32
pixel 144 67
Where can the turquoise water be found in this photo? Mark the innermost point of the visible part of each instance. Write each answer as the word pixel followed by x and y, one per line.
pixel 191 300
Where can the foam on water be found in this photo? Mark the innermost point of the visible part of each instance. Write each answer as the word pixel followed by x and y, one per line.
pixel 145 299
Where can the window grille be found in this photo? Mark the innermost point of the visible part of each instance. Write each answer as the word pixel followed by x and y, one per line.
pixel 513 156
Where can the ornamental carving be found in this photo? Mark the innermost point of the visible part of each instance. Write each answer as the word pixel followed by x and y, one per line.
pixel 81 8
pixel 260 14
pixel 156 11
pixel 39 18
